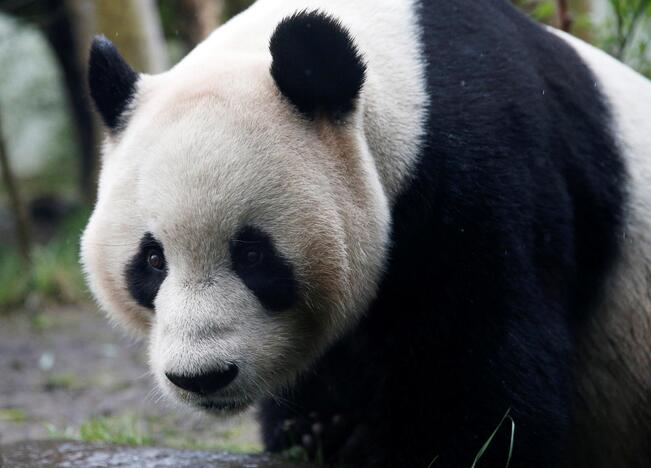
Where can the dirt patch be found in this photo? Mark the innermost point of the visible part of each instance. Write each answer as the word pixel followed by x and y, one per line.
pixel 65 372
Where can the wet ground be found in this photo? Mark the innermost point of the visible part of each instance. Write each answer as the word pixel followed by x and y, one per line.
pixel 66 373
pixel 79 455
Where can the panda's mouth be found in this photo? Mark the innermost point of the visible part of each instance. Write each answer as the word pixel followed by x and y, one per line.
pixel 224 406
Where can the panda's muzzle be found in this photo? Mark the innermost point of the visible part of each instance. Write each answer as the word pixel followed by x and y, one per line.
pixel 206 383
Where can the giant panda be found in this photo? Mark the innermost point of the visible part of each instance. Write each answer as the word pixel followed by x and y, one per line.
pixel 415 233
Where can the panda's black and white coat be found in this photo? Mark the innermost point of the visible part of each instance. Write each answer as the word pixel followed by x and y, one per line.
pixel 401 220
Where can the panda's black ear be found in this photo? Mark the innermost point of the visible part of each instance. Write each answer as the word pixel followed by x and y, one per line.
pixel 316 64
pixel 112 82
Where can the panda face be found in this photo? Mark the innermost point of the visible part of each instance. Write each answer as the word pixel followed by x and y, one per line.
pixel 237 235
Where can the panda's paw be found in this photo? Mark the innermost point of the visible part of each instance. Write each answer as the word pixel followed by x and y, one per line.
pixel 318 437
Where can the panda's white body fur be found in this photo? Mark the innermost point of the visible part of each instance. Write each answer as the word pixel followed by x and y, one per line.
pixel 192 176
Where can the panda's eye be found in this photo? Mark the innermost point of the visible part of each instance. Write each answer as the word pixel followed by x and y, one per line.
pixel 252 256
pixel 263 269
pixel 156 260
pixel 146 271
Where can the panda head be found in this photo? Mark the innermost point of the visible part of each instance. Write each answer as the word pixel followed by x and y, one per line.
pixel 240 225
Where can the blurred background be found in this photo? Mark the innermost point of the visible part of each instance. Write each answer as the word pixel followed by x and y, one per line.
pixel 64 372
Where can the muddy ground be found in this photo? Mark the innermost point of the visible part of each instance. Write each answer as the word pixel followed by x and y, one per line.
pixel 66 373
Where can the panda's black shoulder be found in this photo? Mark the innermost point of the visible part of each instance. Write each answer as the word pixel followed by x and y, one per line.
pixel 519 150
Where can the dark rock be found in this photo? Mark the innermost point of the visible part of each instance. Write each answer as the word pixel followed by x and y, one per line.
pixel 41 454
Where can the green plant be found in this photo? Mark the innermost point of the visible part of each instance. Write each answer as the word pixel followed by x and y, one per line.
pixel 133 429
pixel 125 430
pixel 629 15
pixel 625 33
pixel 12 414
pixel 488 442
pixel 62 381
pixel 541 10
pixel 14 280
pixel 54 275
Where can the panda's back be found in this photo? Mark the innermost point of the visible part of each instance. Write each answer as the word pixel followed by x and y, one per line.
pixel 556 127
pixel 615 352
pixel 536 167
pixel 521 151
pixel 559 127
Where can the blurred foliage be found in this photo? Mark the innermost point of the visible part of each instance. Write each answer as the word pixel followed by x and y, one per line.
pixel 541 10
pixel 625 32
pixel 55 274
pixel 233 7
pixel 36 123
pixel 178 23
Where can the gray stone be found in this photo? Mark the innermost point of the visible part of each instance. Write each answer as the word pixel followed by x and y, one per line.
pixel 36 454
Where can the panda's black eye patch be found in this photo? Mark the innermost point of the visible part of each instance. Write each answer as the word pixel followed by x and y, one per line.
pixel 146 271
pixel 263 269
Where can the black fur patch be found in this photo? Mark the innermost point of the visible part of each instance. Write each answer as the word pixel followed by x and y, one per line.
pixel 500 247
pixel 270 277
pixel 316 64
pixel 143 281
pixel 112 82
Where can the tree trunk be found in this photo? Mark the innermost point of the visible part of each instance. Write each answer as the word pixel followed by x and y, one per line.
pixel 564 16
pixel 18 210
pixel 67 26
pixel 134 26
pixel 201 18
pixel 69 33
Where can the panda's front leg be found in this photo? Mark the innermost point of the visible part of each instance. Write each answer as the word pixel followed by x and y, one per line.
pixel 517 410
pixel 492 392
pixel 436 382
pixel 312 435
pixel 325 414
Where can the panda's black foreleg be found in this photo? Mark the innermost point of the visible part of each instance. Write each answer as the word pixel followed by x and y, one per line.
pixel 517 412
pixel 501 395
pixel 313 436
pixel 439 401
pixel 322 416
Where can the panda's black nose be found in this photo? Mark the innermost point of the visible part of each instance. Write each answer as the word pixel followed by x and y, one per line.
pixel 206 383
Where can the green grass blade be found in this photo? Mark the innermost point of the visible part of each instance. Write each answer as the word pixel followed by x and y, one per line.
pixel 492 436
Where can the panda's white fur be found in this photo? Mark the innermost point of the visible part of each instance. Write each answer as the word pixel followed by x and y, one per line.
pixel 615 354
pixel 210 144
pixel 387 34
